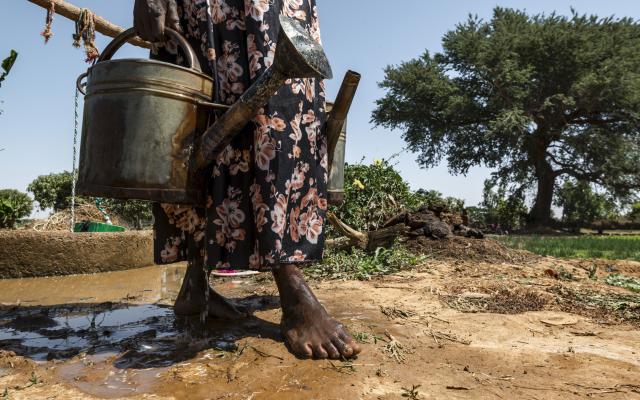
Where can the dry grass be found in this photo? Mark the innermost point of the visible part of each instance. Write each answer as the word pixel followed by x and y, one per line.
pixel 61 220
pixel 499 301
pixel 603 306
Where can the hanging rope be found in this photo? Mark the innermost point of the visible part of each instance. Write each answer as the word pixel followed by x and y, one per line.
pixel 86 33
pixel 47 33
pixel 74 170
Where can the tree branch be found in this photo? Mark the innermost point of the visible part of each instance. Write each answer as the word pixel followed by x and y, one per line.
pixel 595 121
pixel 103 26
pixel 357 238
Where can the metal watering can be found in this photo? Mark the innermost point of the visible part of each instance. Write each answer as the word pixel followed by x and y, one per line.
pixel 149 130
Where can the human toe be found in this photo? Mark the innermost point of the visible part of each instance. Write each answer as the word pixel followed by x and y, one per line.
pixel 350 342
pixel 344 349
pixel 319 352
pixel 332 351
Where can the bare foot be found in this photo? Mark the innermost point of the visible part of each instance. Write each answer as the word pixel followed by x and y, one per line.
pixel 307 328
pixel 192 299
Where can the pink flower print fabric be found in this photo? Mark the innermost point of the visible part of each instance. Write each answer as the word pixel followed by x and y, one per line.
pixel 266 196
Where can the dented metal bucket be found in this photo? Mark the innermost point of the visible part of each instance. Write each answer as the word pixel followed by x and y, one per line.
pixel 141 122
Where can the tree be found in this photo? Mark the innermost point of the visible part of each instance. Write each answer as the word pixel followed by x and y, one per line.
pixel 52 191
pixel 14 205
pixel 499 208
pixel 581 205
pixel 537 98
pixel 133 212
pixel 634 213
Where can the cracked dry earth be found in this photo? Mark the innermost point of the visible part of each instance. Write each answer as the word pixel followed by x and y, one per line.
pixel 448 330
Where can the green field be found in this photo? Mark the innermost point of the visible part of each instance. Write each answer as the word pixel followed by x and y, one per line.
pixel 587 246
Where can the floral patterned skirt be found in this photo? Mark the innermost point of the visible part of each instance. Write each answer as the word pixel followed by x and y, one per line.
pixel 267 191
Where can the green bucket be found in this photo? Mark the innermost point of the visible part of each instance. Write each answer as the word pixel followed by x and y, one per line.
pixel 90 226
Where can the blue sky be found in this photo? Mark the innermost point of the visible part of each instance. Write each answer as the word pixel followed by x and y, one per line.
pixel 36 125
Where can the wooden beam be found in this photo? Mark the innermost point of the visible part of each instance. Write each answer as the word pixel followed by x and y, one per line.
pixel 103 26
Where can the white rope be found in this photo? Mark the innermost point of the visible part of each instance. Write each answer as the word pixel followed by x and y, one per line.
pixel 74 172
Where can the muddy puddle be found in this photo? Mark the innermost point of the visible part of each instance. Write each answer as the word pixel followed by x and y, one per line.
pixel 116 348
pixel 141 323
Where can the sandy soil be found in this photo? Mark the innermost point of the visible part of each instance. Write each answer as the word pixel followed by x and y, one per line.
pixel 452 329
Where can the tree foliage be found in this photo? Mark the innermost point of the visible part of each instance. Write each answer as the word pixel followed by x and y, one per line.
pixel 581 205
pixel 499 209
pixel 634 213
pixel 54 191
pixel 536 98
pixel 7 64
pixel 136 213
pixel 14 205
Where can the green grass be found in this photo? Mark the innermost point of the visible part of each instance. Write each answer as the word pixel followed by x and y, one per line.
pixel 359 265
pixel 607 247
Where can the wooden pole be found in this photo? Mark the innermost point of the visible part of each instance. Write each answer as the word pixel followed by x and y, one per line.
pixel 103 26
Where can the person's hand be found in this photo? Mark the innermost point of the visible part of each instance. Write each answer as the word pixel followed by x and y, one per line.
pixel 150 17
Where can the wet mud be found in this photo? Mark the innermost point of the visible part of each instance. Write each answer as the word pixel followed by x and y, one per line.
pixel 444 331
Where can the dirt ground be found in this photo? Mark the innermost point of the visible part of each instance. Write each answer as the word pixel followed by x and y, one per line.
pixel 522 328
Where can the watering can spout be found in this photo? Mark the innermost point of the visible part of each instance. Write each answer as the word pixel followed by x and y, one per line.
pixel 297 56
pixel 336 132
pixel 339 111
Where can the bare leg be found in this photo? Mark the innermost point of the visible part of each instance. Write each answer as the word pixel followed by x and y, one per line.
pixel 192 299
pixel 306 326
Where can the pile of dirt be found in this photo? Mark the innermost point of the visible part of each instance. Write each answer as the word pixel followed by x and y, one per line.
pixel 435 223
pixel 436 232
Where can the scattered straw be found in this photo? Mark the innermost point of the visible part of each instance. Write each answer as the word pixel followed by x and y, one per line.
pixel 395 349
pixel 61 220
pixel 396 313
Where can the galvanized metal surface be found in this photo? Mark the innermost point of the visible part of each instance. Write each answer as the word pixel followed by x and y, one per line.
pixel 335 185
pixel 297 56
pixel 141 122
pixel 336 131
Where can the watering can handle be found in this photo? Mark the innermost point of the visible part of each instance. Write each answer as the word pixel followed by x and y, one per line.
pixel 124 37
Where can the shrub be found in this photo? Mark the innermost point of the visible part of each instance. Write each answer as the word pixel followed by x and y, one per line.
pixel 508 212
pixel 358 264
pixel 634 214
pixel 582 206
pixel 373 193
pixel 434 199
pixel 14 205
pixel 136 213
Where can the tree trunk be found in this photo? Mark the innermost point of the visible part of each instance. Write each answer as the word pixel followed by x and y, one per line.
pixel 540 215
